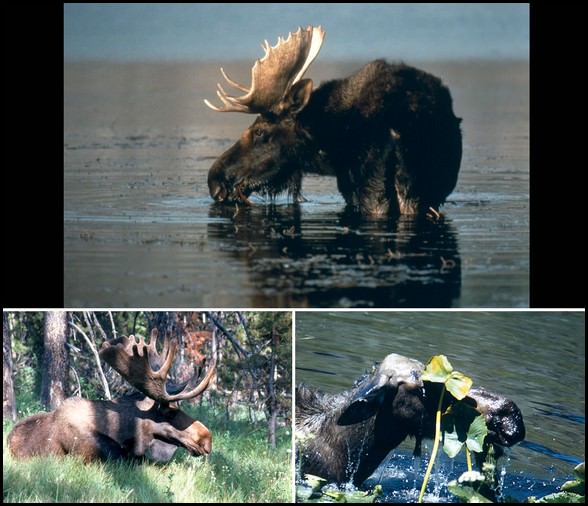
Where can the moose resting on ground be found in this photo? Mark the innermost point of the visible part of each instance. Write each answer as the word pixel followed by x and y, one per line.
pixel 387 132
pixel 346 436
pixel 128 428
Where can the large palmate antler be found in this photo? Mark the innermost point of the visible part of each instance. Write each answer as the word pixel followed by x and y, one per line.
pixel 135 361
pixel 282 66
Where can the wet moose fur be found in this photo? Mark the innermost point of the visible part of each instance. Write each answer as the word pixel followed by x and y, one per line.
pixel 388 133
pixel 346 436
pixel 390 136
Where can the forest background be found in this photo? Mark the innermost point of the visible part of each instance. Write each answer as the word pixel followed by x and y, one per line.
pixel 52 355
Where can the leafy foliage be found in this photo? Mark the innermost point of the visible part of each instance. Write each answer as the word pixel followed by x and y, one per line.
pixel 314 489
pixel 461 425
pixel 253 351
pixel 440 370
pixel 458 426
pixel 573 491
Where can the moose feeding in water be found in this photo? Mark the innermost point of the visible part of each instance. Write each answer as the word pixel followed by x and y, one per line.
pixel 346 436
pixel 128 428
pixel 388 133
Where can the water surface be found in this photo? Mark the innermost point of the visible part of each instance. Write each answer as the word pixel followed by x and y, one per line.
pixel 141 230
pixel 536 359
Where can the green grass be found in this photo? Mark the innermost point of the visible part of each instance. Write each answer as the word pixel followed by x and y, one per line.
pixel 241 468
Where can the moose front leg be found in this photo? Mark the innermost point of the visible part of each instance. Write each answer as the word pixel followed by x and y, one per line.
pixel 195 437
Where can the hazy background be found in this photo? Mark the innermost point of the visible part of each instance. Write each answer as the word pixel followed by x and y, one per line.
pixel 156 32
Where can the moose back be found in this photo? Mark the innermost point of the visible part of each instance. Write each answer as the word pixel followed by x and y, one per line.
pixel 128 428
pixel 388 133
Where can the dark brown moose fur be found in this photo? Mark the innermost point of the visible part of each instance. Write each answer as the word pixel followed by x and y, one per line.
pixel 387 132
pixel 346 436
pixel 131 427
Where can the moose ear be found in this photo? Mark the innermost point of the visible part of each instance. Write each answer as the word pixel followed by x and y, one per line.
pixel 298 96
pixel 358 411
pixel 365 403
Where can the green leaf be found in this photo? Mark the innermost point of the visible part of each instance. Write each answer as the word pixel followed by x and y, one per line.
pixel 451 444
pixel 315 482
pixel 476 434
pixel 360 496
pixel 458 385
pixel 336 495
pixel 437 370
pixel 576 486
pixel 560 497
pixel 579 471
pixel 466 492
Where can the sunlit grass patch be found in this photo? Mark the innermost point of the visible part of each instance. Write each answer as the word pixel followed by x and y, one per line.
pixel 241 468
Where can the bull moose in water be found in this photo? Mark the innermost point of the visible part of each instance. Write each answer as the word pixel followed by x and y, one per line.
pixel 346 436
pixel 388 133
pixel 128 428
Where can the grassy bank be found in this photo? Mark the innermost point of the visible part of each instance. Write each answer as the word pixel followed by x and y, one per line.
pixel 241 468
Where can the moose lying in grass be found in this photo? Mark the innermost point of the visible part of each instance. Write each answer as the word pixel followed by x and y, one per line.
pixel 360 426
pixel 388 133
pixel 128 428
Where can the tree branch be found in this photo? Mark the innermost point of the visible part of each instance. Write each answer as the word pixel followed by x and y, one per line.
pixel 97 357
pixel 238 348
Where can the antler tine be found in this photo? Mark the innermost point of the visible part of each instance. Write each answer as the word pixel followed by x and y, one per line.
pixel 168 354
pixel 134 361
pixel 275 73
pixel 198 389
pixel 233 83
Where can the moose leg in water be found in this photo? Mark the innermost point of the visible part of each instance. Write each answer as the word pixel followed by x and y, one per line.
pixel 346 436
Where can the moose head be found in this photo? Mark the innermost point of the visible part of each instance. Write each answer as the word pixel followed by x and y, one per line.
pixel 347 436
pixel 265 156
pixel 128 428
pixel 387 132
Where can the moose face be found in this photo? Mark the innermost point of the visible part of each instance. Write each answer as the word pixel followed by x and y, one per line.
pixel 266 158
pixel 385 407
pixel 397 392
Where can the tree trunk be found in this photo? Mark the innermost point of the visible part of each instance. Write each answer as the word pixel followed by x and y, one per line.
pixel 55 360
pixel 272 404
pixel 8 401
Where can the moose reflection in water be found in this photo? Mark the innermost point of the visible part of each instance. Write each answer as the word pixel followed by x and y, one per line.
pixel 340 259
pixel 128 428
pixel 346 436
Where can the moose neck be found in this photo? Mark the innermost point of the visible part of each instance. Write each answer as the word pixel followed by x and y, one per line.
pixel 334 127
pixel 321 121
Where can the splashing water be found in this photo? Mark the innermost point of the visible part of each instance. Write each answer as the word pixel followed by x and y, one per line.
pixel 353 461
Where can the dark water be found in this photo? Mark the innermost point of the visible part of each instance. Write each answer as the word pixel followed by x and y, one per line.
pixel 535 358
pixel 142 231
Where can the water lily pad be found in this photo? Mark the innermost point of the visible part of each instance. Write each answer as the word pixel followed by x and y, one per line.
pixel 437 370
pixel 466 492
pixel 458 385
pixel 440 370
pixel 476 434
